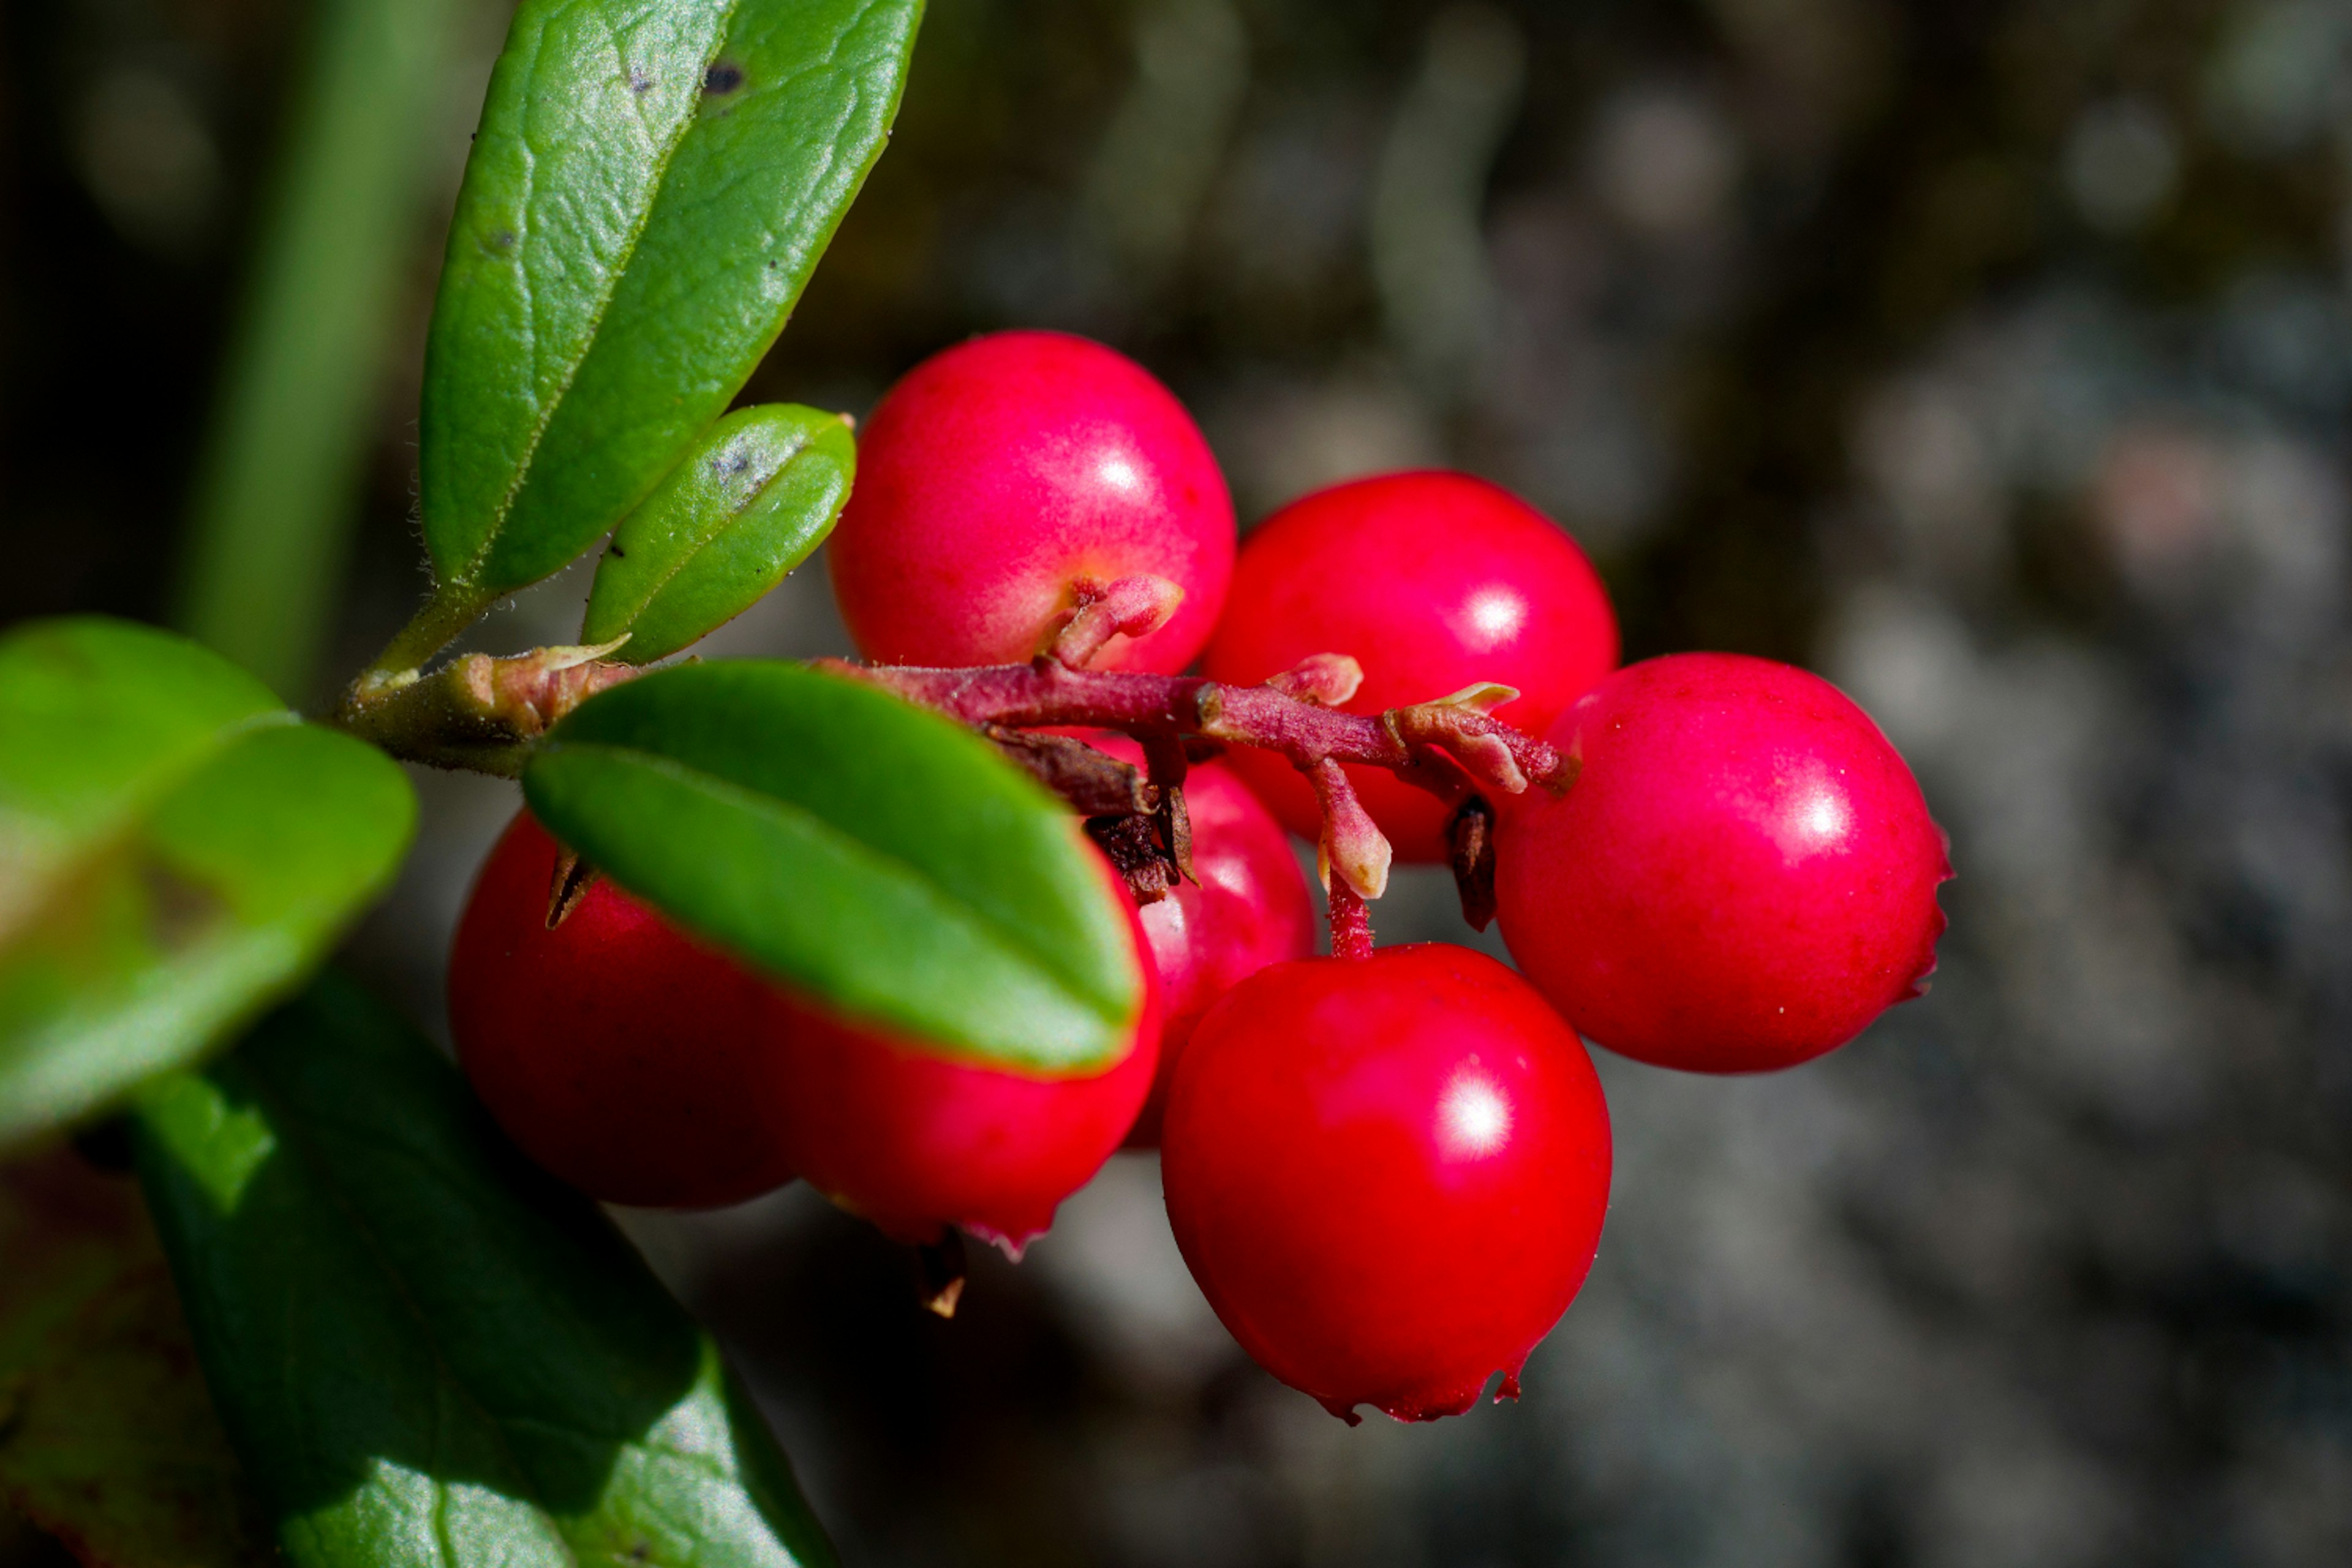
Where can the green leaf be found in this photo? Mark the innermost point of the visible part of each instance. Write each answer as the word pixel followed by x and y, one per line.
pixel 650 189
pixel 425 1351
pixel 876 856
pixel 176 851
pixel 744 508
pixel 107 1438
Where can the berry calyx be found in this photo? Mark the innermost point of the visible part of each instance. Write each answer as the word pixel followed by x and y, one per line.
pixel 1002 481
pixel 1432 582
pixel 1388 1174
pixel 1743 877
pixel 621 1054
pixel 1246 906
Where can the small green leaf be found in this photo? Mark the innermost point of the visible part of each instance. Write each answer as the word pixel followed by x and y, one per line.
pixel 176 849
pixel 744 508
pixel 878 857
pixel 425 1351
pixel 650 190
pixel 107 1438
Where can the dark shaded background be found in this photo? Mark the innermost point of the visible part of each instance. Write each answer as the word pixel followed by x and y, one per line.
pixel 1991 358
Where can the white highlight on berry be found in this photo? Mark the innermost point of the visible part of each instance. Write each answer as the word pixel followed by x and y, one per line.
pixel 1473 1118
pixel 1497 614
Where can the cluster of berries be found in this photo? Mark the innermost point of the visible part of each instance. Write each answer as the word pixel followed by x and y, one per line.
pixel 1388 1170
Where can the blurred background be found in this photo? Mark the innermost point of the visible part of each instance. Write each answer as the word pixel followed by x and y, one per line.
pixel 1992 358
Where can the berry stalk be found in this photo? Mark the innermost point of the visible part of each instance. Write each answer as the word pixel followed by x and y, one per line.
pixel 1450 747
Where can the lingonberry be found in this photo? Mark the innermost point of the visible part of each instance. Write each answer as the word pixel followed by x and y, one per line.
pixel 1388 1174
pixel 1246 907
pixel 1431 582
pixel 1742 877
pixel 621 1054
pixel 915 1142
pixel 644 1068
pixel 999 477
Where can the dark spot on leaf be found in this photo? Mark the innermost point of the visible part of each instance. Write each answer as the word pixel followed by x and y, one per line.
pixel 640 1552
pixel 723 77
pixel 617 552
pixel 504 239
pixel 179 911
pixel 640 81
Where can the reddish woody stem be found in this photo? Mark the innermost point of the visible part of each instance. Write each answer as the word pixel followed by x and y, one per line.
pixel 1432 744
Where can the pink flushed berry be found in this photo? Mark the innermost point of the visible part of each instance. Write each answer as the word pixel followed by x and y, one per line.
pixel 1432 582
pixel 1388 1174
pixel 1742 877
pixel 1001 480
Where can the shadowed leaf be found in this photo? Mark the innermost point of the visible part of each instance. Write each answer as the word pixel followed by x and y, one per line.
pixel 108 1439
pixel 426 1352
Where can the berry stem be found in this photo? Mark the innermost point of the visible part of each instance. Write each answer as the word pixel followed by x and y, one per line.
pixel 1351 923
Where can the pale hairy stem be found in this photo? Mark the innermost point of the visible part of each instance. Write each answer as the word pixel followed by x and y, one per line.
pixel 481 714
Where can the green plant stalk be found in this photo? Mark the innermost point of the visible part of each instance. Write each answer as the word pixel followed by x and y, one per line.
pixel 274 502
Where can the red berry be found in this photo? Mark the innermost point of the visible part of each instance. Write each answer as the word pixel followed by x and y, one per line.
pixel 915 1143
pixel 1250 908
pixel 997 475
pixel 647 1068
pixel 1388 1174
pixel 621 1054
pixel 1742 877
pixel 1431 582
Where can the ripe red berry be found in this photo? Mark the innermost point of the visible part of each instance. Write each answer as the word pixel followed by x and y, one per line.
pixel 621 1054
pixel 996 475
pixel 1742 877
pixel 644 1068
pixel 1249 908
pixel 1431 582
pixel 1388 1174
pixel 915 1143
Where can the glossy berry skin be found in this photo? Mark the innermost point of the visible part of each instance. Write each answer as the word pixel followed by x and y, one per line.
pixel 1249 908
pixel 1388 1174
pixel 621 1054
pixel 1742 877
pixel 995 474
pixel 1432 582
pixel 915 1143
pixel 645 1068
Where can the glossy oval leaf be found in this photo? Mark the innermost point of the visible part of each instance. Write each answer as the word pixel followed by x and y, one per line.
pixel 748 505
pixel 876 856
pixel 425 1351
pixel 176 851
pixel 650 189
